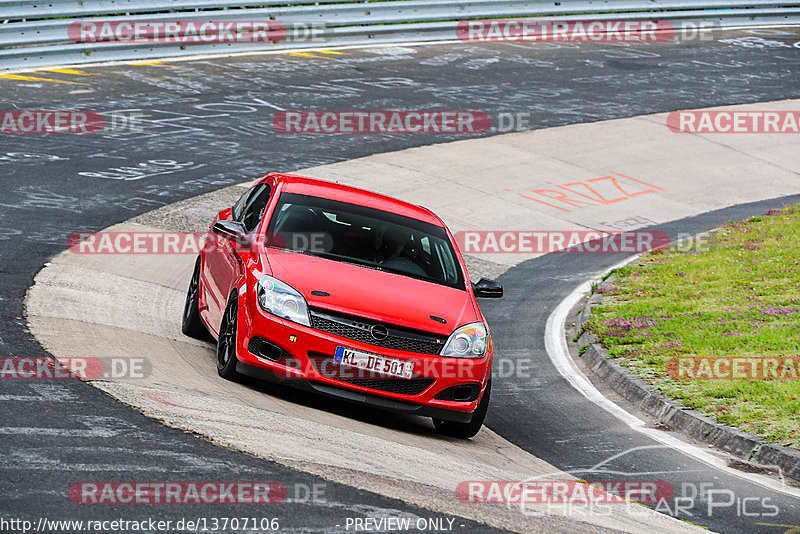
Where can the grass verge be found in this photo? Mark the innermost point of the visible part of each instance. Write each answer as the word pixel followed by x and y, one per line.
pixel 737 297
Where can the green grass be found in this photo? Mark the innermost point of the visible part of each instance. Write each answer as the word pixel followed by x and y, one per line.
pixel 739 296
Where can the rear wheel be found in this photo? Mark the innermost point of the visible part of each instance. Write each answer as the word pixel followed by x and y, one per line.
pixel 191 324
pixel 467 430
pixel 226 343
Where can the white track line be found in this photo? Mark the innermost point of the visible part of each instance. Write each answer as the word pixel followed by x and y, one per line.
pixel 556 344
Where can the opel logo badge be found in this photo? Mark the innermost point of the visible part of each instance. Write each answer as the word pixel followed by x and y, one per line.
pixel 379 332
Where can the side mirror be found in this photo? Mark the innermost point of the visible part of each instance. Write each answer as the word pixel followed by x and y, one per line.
pixel 233 230
pixel 487 289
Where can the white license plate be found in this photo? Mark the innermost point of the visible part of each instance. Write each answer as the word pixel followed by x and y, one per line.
pixel 374 363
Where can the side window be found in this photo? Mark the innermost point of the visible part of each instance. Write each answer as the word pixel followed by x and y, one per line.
pixel 446 262
pixel 254 206
pixel 236 211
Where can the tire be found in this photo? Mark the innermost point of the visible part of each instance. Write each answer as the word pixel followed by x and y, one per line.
pixel 467 430
pixel 227 341
pixel 191 324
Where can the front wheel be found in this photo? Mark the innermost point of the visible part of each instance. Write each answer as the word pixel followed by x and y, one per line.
pixel 226 342
pixel 467 430
pixel 192 325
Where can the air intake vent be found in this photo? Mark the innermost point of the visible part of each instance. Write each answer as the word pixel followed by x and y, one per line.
pixel 265 349
pixel 462 393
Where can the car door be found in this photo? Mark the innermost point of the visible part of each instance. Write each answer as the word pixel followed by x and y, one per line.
pixel 223 262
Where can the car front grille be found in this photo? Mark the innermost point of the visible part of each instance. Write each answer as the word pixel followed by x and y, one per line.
pixel 359 329
pixel 407 386
pixel 404 386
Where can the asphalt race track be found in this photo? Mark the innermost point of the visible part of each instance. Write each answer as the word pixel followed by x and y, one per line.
pixel 208 125
pixel 604 448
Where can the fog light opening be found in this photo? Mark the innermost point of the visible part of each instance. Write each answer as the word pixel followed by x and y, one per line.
pixel 462 393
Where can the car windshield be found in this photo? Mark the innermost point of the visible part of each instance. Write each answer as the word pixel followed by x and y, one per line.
pixel 364 236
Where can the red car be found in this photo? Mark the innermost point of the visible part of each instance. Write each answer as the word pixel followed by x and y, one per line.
pixel 347 293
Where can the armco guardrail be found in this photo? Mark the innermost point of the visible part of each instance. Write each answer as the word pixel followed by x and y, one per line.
pixel 34 34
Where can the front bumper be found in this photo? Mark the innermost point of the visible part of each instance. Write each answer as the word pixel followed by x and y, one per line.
pixel 302 357
pixel 355 396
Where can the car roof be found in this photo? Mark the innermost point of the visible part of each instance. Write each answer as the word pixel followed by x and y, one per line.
pixel 303 185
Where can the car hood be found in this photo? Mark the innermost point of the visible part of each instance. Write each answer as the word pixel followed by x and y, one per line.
pixel 373 294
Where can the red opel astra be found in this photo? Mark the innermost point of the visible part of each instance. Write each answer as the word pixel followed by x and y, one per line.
pixel 345 293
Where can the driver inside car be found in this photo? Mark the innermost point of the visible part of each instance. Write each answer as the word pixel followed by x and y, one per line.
pixel 395 242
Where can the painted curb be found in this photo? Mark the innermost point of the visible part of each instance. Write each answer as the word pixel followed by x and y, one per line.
pixel 746 447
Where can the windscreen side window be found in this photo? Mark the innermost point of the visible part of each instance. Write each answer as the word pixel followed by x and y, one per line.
pixel 236 210
pixel 253 206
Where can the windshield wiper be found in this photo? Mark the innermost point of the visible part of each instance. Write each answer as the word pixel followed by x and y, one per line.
pixel 347 259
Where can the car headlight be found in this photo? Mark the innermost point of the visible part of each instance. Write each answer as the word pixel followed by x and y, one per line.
pixel 469 341
pixel 282 300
